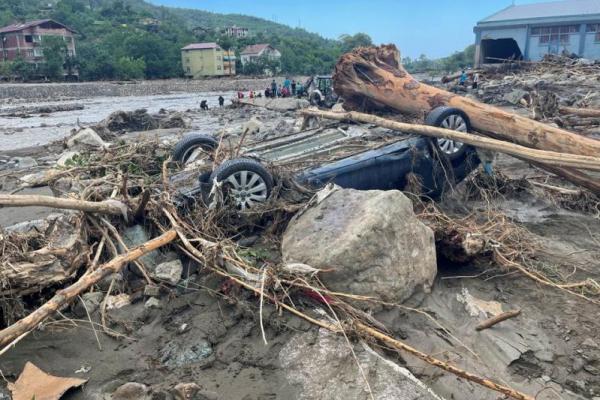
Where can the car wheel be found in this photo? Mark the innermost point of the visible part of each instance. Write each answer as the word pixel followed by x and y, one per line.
pixel 193 146
pixel 454 119
pixel 245 181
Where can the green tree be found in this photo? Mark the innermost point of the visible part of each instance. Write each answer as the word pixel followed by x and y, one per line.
pixel 55 54
pixel 351 42
pixel 23 69
pixel 127 68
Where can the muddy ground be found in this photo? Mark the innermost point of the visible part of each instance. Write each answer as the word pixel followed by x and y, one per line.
pixel 207 332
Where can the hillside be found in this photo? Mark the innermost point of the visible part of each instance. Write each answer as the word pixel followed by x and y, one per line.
pixel 116 42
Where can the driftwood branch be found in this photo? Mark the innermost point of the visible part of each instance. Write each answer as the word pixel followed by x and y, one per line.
pixel 581 112
pixel 540 156
pixel 396 344
pixel 488 323
pixel 63 297
pixel 112 207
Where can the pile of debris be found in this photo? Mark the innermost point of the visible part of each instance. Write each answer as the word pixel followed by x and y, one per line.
pixel 140 120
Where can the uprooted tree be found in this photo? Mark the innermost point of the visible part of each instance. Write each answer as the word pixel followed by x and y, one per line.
pixel 374 75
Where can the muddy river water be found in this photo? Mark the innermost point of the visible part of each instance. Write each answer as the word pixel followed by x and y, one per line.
pixel 40 129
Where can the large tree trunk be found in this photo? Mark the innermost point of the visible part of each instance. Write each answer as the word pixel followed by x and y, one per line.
pixel 375 74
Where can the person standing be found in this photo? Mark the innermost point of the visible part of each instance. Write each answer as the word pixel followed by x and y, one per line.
pixel 463 78
pixel 221 101
pixel 476 80
pixel 274 88
pixel 293 87
pixel 287 83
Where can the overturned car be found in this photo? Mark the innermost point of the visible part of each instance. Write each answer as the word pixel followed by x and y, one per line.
pixel 333 155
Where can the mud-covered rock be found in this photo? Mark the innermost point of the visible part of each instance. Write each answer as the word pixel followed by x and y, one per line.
pixel 87 138
pixel 131 391
pixel 371 239
pixel 169 271
pixel 324 368
pixel 89 303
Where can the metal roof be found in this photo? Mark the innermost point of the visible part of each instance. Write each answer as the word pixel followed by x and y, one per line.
pixel 201 46
pixel 30 24
pixel 565 8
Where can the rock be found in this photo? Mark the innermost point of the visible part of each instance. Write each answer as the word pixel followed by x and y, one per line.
pixel 169 271
pixel 338 107
pixel 372 240
pixel 131 391
pixel 324 368
pixel 515 96
pixel 151 291
pixel 589 342
pixel 92 303
pixel 136 235
pixel 186 391
pixel 23 162
pixel 88 138
pixel 252 127
pixel 153 302
pixel 175 355
pixel 67 158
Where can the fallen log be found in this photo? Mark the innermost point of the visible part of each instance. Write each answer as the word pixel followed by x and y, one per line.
pixel 453 77
pixel 63 297
pixel 376 74
pixel 540 156
pixel 580 112
pixel 112 207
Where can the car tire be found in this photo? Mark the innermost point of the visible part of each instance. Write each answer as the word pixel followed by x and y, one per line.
pixel 450 118
pixel 247 178
pixel 186 146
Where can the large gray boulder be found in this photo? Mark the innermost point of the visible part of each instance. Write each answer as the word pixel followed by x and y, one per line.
pixel 372 240
pixel 320 365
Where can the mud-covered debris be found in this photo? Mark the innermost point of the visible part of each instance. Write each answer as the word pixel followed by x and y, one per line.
pixel 67 158
pixel 140 120
pixel 151 291
pixel 175 355
pixel 89 303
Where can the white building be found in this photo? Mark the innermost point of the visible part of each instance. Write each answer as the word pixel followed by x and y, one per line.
pixel 236 32
pixel 255 51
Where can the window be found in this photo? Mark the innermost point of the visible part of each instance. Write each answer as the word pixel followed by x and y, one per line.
pixel 594 28
pixel 554 34
pixel 218 58
pixel 38 52
pixel 218 67
pixel 36 38
pixel 28 39
pixel 29 53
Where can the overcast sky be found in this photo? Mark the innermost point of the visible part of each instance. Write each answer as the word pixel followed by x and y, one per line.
pixel 433 27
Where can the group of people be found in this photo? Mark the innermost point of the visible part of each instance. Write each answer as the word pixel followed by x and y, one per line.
pixel 204 103
pixel 289 88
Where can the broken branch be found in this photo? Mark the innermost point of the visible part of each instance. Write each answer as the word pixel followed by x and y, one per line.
pixel 488 323
pixel 112 207
pixel 65 296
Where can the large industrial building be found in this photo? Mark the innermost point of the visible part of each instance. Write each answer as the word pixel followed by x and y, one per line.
pixel 530 31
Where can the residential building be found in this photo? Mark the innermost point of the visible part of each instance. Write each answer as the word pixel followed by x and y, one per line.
pixel 530 31
pixel 255 51
pixel 236 32
pixel 24 40
pixel 207 59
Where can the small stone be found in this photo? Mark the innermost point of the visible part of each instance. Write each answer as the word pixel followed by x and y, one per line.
pixel 24 162
pixel 151 291
pixel 186 391
pixel 169 271
pixel 153 302
pixel 578 364
pixel 91 300
pixel 589 342
pixel 131 391
pixel 544 355
pixel 546 378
